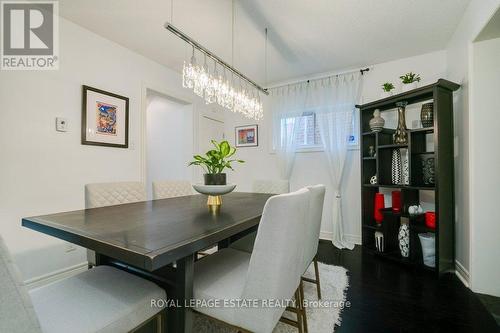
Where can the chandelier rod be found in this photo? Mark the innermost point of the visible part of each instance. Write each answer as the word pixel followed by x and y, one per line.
pixel 200 47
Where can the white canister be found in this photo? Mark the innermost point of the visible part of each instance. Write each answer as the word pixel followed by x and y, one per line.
pixel 428 242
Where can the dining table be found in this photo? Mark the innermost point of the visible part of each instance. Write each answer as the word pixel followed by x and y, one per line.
pixel 158 239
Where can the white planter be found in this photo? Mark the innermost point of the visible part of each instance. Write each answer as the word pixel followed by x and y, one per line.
pixel 409 86
pixel 428 242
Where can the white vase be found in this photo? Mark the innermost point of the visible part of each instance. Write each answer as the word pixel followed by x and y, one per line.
pixel 409 86
pixel 428 242
pixel 404 238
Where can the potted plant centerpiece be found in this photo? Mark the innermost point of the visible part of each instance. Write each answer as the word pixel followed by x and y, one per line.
pixel 215 161
pixel 387 89
pixel 410 81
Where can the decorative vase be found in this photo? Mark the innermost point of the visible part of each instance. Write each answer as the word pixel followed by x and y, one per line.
pixel 396 201
pixel 427 115
pixel 428 242
pixel 379 241
pixel 428 171
pixel 215 178
pixel 379 204
pixel 430 220
pixel 400 137
pixel 404 238
pixel 371 151
pixel 409 86
pixel 396 167
pixel 405 166
pixel 377 122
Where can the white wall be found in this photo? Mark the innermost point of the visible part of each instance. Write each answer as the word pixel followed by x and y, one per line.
pixel 43 171
pixel 310 167
pixel 169 139
pixel 484 167
pixel 459 58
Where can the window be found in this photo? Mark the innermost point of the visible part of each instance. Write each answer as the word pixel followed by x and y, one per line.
pixel 307 133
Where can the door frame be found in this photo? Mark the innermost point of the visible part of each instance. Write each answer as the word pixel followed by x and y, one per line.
pixel 145 89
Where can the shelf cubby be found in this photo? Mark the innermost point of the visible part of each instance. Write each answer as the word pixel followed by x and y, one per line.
pixel 423 143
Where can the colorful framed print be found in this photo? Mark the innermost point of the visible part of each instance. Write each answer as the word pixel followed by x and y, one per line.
pixel 247 136
pixel 104 118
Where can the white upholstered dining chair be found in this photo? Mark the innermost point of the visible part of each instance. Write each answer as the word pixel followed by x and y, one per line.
pixel 313 227
pixel 171 188
pixel 261 186
pixel 314 218
pixel 110 194
pixel 271 272
pixel 103 299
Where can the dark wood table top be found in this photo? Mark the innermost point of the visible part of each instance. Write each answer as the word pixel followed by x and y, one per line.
pixel 152 234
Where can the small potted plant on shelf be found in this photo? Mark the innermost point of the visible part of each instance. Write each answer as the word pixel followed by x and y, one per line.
pixel 387 89
pixel 410 81
pixel 215 161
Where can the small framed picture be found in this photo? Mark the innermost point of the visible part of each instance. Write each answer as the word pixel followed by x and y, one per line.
pixel 104 118
pixel 247 136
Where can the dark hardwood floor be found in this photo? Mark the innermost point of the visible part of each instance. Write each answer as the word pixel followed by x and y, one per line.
pixel 387 297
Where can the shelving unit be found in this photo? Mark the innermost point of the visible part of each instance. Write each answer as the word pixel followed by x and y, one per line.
pixel 441 93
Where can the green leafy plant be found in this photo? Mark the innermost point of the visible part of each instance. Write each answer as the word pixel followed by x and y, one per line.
pixel 410 78
pixel 387 86
pixel 216 160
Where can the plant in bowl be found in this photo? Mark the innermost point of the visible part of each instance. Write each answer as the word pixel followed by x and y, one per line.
pixel 387 89
pixel 410 81
pixel 215 161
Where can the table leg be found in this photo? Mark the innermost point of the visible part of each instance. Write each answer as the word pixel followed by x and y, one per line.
pixel 180 319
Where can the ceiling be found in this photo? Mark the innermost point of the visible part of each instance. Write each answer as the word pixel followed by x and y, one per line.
pixel 304 37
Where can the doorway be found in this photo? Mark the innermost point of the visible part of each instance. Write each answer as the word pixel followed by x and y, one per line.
pixel 169 138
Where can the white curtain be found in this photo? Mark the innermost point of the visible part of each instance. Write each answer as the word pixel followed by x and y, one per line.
pixel 333 100
pixel 287 105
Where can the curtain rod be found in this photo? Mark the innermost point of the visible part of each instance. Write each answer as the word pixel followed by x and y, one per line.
pixel 362 71
pixel 204 50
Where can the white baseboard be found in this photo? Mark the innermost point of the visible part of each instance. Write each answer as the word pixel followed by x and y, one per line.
pixel 328 235
pixel 462 273
pixel 56 275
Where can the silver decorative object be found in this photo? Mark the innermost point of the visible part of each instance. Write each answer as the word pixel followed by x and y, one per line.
pixel 400 137
pixel 428 171
pixel 379 241
pixel 377 122
pixel 373 180
pixel 404 238
pixel 427 115
pixel 371 151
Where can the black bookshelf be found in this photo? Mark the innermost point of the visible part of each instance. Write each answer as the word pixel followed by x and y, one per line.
pixel 441 93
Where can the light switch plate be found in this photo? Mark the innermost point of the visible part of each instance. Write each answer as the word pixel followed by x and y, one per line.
pixel 61 124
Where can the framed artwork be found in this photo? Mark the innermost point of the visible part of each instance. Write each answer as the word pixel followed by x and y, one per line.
pixel 247 136
pixel 104 118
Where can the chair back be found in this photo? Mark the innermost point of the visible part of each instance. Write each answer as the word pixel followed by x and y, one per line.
pixel 109 194
pixel 275 265
pixel 17 314
pixel 171 188
pixel 313 222
pixel 271 186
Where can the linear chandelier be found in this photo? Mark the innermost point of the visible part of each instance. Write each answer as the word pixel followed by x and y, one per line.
pixel 219 82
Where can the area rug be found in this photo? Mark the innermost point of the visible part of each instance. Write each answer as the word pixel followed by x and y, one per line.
pixel 321 317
